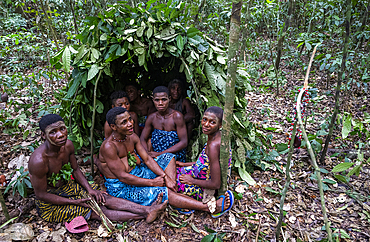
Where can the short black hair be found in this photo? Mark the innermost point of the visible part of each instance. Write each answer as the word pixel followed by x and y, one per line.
pixel 134 84
pixel 48 119
pixel 117 95
pixel 161 89
pixel 112 114
pixel 216 111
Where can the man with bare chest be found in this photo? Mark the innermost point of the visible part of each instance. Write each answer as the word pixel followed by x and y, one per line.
pixel 140 105
pixel 166 127
pixel 63 200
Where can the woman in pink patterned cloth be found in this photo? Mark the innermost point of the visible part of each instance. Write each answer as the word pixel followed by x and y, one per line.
pixel 194 177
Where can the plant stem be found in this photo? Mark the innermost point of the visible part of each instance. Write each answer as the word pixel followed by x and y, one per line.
pixel 339 83
pixel 230 92
pixel 286 186
pixel 3 206
pixel 93 124
pixel 310 150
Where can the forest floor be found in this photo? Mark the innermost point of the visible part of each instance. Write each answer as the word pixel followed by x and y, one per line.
pixel 255 214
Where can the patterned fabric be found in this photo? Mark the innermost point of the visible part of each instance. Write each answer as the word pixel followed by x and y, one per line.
pixel 200 170
pixel 162 140
pixel 64 213
pixel 141 195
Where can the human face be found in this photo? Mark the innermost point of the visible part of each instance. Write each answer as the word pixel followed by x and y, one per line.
pixel 161 101
pixel 132 92
pixel 122 102
pixel 210 123
pixel 175 91
pixel 56 133
pixel 124 124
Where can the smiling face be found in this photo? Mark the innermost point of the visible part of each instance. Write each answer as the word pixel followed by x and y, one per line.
pixel 175 91
pixel 161 101
pixel 124 124
pixel 56 133
pixel 132 92
pixel 122 102
pixel 210 123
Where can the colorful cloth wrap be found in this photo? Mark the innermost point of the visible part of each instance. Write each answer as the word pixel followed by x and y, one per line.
pixel 64 213
pixel 141 195
pixel 200 170
pixel 162 140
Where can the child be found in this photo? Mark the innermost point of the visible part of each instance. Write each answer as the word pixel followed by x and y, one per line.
pixel 194 177
pixel 120 99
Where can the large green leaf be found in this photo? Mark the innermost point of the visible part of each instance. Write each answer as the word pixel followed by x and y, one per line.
pixel 347 126
pixel 66 59
pixel 74 86
pixel 342 167
pixel 246 177
pixel 94 69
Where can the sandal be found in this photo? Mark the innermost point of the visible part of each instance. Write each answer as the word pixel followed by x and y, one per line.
pixel 231 196
pixel 77 225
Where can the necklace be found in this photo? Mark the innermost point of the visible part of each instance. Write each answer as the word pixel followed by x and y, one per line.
pixel 119 140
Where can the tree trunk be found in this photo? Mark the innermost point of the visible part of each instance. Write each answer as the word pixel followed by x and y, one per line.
pixel 230 91
pixel 339 82
pixel 245 33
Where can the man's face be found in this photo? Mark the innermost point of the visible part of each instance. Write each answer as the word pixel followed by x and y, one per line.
pixel 124 124
pixel 122 102
pixel 132 92
pixel 161 101
pixel 175 91
pixel 56 133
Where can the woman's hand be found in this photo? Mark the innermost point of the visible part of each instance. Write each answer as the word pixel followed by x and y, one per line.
pixel 154 154
pixel 188 179
pixel 171 184
pixel 99 196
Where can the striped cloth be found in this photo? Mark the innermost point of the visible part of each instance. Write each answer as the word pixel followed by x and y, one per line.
pixel 64 213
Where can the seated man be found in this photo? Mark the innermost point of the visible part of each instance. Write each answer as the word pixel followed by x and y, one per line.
pixel 181 104
pixel 65 201
pixel 120 99
pixel 128 178
pixel 140 105
pixel 166 127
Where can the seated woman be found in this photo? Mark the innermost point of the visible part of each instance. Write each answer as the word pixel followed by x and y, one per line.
pixel 120 99
pixel 181 104
pixel 194 177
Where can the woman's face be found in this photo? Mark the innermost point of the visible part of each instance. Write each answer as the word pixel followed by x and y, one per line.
pixel 210 123
pixel 123 102
pixel 175 91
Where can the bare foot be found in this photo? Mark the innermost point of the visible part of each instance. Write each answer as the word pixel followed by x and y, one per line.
pixel 156 208
pixel 219 203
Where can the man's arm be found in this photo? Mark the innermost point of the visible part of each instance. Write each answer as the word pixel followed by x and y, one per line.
pixel 190 113
pixel 150 107
pixel 107 130
pixel 136 122
pixel 215 181
pixel 115 165
pixel 145 134
pixel 38 173
pixel 181 132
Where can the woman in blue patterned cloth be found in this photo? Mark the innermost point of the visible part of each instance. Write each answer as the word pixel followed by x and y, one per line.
pixel 166 127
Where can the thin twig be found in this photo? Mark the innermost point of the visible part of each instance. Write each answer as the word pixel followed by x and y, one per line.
pixel 258 230
pixel 309 148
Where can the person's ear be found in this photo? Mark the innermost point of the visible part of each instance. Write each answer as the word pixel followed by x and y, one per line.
pixel 43 136
pixel 112 106
pixel 113 126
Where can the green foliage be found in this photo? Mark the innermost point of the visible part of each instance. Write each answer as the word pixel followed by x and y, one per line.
pixel 21 183
pixel 64 173
pixel 213 236
pixel 131 160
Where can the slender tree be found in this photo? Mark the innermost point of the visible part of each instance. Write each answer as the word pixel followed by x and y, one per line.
pixel 339 81
pixel 230 90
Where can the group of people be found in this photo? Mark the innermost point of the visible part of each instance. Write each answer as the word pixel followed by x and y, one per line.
pixel 142 160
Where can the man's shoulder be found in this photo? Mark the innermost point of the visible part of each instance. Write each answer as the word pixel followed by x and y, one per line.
pixel 37 158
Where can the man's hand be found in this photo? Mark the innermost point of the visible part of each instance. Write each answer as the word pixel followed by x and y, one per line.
pixel 188 179
pixel 81 202
pixel 171 184
pixel 154 154
pixel 158 181
pixel 99 196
